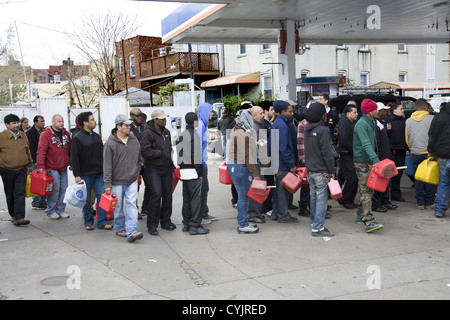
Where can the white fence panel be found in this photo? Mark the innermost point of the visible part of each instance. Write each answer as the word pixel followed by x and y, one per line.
pixel 110 107
pixel 51 106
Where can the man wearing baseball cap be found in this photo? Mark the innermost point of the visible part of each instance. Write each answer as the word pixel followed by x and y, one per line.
pixel 364 157
pixel 121 167
pixel 156 149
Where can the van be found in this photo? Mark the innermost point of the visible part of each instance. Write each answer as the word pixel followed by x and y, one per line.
pixel 341 101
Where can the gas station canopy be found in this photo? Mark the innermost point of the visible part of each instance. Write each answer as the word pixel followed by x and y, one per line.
pixel 318 22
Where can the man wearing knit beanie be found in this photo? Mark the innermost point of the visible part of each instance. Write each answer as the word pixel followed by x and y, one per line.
pixel 320 164
pixel 364 157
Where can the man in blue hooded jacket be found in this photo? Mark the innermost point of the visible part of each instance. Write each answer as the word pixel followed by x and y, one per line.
pixel 287 148
pixel 204 114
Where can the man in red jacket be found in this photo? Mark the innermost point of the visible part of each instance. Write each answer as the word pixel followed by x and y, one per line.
pixel 53 156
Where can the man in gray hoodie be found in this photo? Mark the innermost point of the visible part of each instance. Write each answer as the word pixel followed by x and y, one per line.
pixel 121 167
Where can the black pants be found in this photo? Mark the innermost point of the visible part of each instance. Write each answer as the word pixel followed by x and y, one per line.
pixel 14 183
pixel 399 159
pixel 192 203
pixel 267 204
pixel 351 179
pixel 160 203
pixel 146 189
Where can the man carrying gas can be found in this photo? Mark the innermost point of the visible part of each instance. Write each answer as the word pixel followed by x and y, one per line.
pixel 121 167
pixel 364 157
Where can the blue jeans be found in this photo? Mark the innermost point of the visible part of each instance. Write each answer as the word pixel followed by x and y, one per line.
pixel 242 179
pixel 443 189
pixel 281 198
pixel 425 193
pixel 55 200
pixel 318 186
pixel 126 199
pixel 94 181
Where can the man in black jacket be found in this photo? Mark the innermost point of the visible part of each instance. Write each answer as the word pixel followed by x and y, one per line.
pixel 33 135
pixel 191 169
pixel 438 145
pixel 380 200
pixel 320 164
pixel 156 149
pixel 395 125
pixel 346 167
pixel 86 157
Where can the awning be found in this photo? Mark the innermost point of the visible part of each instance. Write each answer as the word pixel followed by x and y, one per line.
pixel 245 78
pixel 412 86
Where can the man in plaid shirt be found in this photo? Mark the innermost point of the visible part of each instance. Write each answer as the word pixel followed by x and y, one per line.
pixel 304 192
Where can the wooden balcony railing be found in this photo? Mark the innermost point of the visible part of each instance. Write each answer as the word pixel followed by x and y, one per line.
pixel 206 63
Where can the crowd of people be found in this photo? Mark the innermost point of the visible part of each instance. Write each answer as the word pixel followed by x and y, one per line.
pixel 265 142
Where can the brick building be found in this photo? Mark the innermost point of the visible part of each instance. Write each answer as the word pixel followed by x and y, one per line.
pixel 130 53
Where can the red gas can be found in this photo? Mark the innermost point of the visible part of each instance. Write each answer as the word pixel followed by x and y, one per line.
pixel 41 184
pixel 176 176
pixel 301 172
pixel 108 203
pixel 386 168
pixel 258 187
pixel 335 189
pixel 377 182
pixel 291 182
pixel 224 176
pixel 258 198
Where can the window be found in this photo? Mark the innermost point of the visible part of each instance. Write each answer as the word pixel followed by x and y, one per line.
pixel 402 77
pixel 34 92
pixel 132 70
pixel 364 48
pixel 364 79
pixel 267 83
pixel 120 65
pixel 304 73
pixel 242 49
pixel 265 47
pixel 402 48
pixel 342 73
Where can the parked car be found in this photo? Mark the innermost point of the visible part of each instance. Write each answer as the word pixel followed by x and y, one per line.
pixel 341 101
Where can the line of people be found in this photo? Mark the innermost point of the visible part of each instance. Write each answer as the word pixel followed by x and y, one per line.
pixel 260 145
pixel 325 143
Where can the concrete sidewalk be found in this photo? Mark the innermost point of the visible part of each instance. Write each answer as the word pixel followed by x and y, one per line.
pixel 408 259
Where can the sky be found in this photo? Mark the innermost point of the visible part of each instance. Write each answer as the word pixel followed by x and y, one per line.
pixel 42 47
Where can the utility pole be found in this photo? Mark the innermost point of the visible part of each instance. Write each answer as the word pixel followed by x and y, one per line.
pixel 23 65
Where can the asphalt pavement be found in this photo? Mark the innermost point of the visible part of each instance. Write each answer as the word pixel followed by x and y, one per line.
pixel 57 260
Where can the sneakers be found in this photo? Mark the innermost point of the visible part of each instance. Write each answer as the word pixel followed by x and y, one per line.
pixel 53 216
pixel 420 207
pixel 322 233
pixel 64 216
pixel 373 226
pixel 359 219
pixel 135 236
pixel 199 230
pixel 248 229
pixel 288 220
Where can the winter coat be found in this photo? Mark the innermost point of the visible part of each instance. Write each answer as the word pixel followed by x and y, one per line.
pixel 364 141
pixel 318 152
pixel 121 165
pixel 53 153
pixel 156 147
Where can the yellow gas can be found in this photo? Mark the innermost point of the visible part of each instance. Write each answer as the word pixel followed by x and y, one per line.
pixel 428 171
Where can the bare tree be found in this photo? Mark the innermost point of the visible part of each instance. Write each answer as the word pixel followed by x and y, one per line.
pixel 95 39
